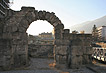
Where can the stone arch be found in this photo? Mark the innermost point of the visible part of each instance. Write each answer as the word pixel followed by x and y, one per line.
pixel 34 15
pixel 15 30
pixel 21 20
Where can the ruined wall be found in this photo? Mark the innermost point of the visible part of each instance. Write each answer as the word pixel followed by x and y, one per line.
pixel 14 35
pixel 72 50
pixel 40 50
pixel 60 49
pixel 5 45
pixel 80 51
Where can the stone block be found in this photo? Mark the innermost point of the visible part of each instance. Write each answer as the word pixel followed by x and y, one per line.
pixel 14 28
pixel 76 42
pixel 36 15
pixel 7 36
pixel 57 35
pixel 62 42
pixel 59 26
pixel 66 31
pixel 76 61
pixel 88 50
pixel 24 23
pixel 27 8
pixel 62 50
pixel 54 19
pixel 76 50
pixel 52 15
pixel 47 16
pixel 41 16
pixel 87 59
pixel 22 29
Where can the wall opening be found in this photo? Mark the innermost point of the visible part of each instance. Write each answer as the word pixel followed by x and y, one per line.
pixel 40 39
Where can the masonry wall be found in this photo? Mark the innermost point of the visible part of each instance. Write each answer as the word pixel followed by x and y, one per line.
pixel 72 50
pixel 13 43
pixel 80 51
pixel 40 50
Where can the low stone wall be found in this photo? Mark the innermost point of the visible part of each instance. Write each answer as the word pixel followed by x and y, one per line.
pixel 80 50
pixel 75 50
pixel 40 50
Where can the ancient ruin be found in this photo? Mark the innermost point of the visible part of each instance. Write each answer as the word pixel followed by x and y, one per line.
pixel 72 50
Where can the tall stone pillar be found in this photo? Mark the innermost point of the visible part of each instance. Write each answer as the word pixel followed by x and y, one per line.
pixel 61 48
pixel 20 49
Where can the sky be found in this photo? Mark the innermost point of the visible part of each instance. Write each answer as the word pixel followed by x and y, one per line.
pixel 70 12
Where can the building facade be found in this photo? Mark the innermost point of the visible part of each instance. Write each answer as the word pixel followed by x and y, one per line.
pixel 46 38
pixel 102 33
pixel 43 38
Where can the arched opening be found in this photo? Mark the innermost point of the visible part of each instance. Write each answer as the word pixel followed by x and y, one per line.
pixel 40 38
pixel 40 43
pixel 38 27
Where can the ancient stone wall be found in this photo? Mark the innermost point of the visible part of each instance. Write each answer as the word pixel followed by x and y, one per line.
pixel 14 31
pixel 80 51
pixel 72 50
pixel 60 50
pixel 40 50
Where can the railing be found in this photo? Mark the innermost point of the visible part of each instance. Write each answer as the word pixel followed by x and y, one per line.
pixel 99 53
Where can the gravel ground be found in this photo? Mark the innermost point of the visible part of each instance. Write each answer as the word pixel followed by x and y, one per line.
pixel 30 71
pixel 41 65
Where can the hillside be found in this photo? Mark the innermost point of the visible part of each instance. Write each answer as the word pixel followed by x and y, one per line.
pixel 87 26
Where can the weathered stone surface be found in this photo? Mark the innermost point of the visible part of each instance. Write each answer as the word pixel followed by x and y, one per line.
pixel 76 62
pixel 24 23
pixel 40 50
pixel 14 28
pixel 47 16
pixel 59 26
pixel 87 59
pixel 87 50
pixel 7 35
pixel 41 16
pixel 30 17
pixel 5 53
pixel 27 8
pixel 66 31
pixel 62 42
pixel 36 15
pixel 76 50
pixel 80 51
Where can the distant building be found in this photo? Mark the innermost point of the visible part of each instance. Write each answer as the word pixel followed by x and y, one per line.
pixel 102 33
pixel 46 35
pixel 74 32
pixel 43 38
pixel 46 38
pixel 4 6
pixel 82 32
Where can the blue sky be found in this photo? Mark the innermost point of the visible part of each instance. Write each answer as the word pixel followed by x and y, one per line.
pixel 70 12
